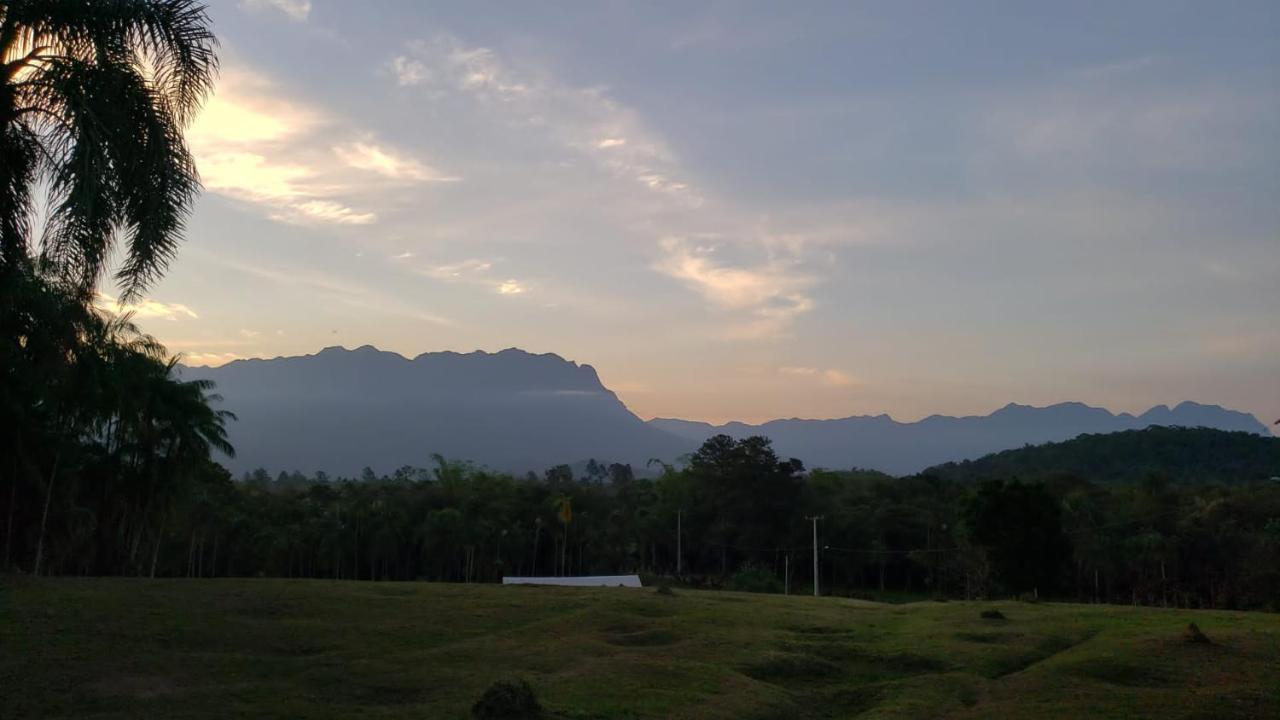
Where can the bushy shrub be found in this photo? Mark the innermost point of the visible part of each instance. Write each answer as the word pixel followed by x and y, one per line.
pixel 992 615
pixel 1193 634
pixel 665 589
pixel 509 699
pixel 755 578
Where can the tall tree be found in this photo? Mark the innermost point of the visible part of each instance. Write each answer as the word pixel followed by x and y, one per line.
pixel 93 99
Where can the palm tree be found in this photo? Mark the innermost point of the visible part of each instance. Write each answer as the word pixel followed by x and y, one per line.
pixel 93 99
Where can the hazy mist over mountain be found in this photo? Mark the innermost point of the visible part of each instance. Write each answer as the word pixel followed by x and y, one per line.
pixel 341 410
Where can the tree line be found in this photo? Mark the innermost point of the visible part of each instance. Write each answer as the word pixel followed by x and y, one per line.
pixel 738 516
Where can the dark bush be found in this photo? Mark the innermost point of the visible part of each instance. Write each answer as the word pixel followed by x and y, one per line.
pixel 757 578
pixel 992 615
pixel 510 699
pixel 665 589
pixel 1192 634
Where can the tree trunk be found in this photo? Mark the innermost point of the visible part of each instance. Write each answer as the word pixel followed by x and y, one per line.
pixel 8 530
pixel 44 518
pixel 155 552
pixel 564 552
pixel 191 554
pixel 537 531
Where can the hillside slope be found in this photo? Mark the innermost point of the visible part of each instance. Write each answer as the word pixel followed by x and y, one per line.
pixel 1176 453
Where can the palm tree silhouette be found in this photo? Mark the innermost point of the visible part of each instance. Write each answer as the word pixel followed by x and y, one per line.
pixel 93 99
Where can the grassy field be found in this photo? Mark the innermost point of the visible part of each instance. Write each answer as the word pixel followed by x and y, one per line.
pixel 123 648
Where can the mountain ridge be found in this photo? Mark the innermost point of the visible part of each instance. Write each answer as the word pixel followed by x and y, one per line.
pixel 340 409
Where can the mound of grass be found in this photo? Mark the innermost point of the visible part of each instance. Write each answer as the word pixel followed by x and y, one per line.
pixel 1193 634
pixel 992 615
pixel 509 699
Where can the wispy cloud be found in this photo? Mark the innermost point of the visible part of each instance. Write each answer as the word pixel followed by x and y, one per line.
pixel 620 170
pixel 254 144
pixel 586 121
pixel 209 359
pixel 146 309
pixel 388 163
pixel 767 296
pixel 510 287
pixel 470 268
pixel 330 289
pixel 830 376
pixel 297 10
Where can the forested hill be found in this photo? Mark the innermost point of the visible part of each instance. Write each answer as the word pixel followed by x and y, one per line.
pixel 1179 454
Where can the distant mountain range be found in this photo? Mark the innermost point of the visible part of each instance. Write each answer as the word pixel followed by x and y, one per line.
pixel 340 410
pixel 881 443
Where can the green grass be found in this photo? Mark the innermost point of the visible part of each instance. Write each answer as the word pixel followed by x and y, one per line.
pixel 124 648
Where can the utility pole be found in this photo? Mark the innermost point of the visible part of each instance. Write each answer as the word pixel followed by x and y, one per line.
pixel 679 546
pixel 815 519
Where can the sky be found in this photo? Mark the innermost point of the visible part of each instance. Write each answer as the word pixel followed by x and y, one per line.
pixel 743 211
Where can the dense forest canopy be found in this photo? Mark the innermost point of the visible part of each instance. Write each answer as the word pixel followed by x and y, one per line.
pixel 1178 454
pixel 741 512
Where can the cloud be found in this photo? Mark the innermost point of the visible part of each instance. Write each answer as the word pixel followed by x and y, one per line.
pixel 1116 119
pixel 408 71
pixel 209 359
pixel 250 334
pixel 325 211
pixel 584 120
pixel 837 378
pixel 326 289
pixel 830 376
pixel 297 10
pixel 464 269
pixel 255 145
pixel 579 150
pixel 383 161
pixel 770 295
pixel 145 309
pixel 472 271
